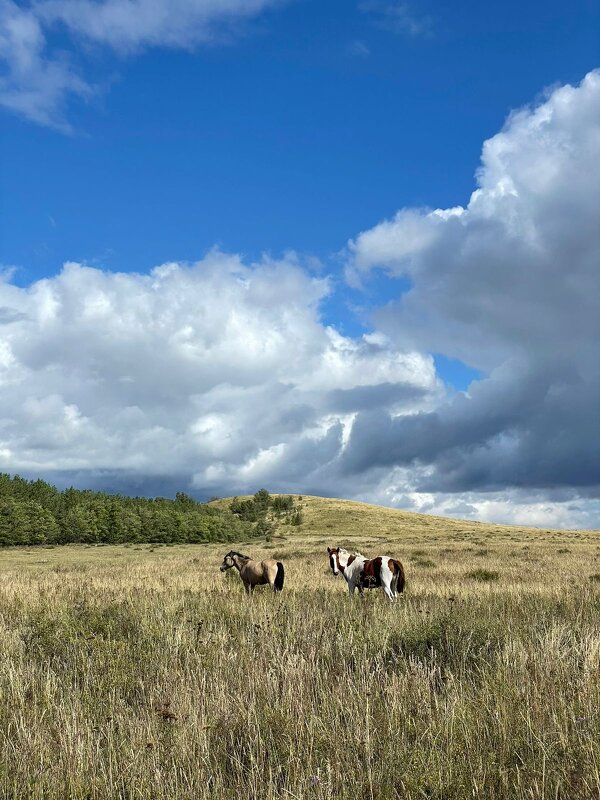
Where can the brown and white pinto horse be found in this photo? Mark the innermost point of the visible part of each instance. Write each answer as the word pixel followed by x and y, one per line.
pixel 368 573
pixel 255 573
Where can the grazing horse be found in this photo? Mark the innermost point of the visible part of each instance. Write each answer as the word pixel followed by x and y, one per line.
pixel 255 573
pixel 367 573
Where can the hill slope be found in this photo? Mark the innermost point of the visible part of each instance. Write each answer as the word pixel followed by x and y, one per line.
pixel 349 518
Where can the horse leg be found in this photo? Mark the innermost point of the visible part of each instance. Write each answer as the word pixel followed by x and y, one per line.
pixel 248 587
pixel 387 583
pixel 387 580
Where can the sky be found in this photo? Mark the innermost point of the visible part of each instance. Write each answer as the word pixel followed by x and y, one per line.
pixel 338 248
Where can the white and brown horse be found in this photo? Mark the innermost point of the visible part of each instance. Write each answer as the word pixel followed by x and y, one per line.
pixel 367 573
pixel 255 573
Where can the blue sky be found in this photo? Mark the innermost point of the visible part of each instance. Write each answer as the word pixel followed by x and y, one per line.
pixel 288 127
pixel 285 138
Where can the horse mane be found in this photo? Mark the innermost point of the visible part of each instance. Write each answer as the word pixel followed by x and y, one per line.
pixel 240 555
pixel 356 554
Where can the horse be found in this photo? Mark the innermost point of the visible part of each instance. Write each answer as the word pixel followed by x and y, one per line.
pixel 367 573
pixel 255 573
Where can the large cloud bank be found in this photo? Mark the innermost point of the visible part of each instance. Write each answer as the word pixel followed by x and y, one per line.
pixel 217 376
pixel 510 285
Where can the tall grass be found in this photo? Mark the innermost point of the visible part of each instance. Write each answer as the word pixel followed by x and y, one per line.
pixel 137 674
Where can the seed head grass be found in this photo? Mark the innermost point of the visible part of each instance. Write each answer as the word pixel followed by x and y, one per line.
pixel 138 672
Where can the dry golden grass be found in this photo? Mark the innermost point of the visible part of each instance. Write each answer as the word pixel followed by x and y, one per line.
pixel 143 672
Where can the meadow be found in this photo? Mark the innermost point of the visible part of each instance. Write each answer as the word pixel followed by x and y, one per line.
pixel 141 671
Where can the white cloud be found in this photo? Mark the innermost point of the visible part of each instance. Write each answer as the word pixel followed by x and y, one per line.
pixel 518 264
pixel 35 84
pixel 128 25
pixel 40 79
pixel 219 374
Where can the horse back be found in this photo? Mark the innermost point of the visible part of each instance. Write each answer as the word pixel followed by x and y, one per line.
pixel 256 572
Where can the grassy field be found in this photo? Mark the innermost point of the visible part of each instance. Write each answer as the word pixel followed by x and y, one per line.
pixel 143 672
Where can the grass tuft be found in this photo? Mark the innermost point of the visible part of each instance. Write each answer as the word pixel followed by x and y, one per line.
pixel 483 575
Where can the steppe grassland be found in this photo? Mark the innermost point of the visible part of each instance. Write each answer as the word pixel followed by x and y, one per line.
pixel 143 672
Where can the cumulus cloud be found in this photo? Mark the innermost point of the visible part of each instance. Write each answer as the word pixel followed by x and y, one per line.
pixel 219 376
pixel 40 79
pixel 510 285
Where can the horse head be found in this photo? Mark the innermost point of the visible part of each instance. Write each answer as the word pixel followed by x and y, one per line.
pixel 232 559
pixel 228 561
pixel 338 559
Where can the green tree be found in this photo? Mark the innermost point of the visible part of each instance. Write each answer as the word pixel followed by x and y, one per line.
pixel 262 501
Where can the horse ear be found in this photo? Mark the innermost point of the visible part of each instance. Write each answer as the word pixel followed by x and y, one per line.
pixel 329 551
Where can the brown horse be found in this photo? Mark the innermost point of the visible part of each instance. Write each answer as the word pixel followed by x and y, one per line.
pixel 255 573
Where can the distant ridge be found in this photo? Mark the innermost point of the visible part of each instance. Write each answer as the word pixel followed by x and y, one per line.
pixel 324 515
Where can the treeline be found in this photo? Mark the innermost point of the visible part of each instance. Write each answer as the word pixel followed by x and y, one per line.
pixel 34 512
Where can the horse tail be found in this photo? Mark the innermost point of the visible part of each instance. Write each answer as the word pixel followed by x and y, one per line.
pixel 399 569
pixel 278 585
